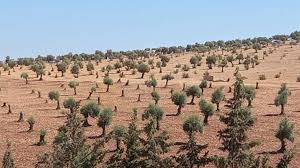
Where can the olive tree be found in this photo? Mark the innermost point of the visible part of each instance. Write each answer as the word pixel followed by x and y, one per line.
pixel 93 89
pixel 167 77
pixel 230 59
pixel 151 83
pixel 223 64
pixel 249 94
pixel 73 85
pixel 25 76
pixel 71 104
pixel 285 132
pixel 207 109
pixel 193 91
pixel 107 81
pixel 143 68
pixel 203 85
pixel 194 60
pixel 54 95
pixel 282 97
pixel 90 67
pixel 91 109
pixel 105 118
pixel 211 60
pixel 154 112
pixel 75 70
pixel 119 134
pixel 179 99
pixel 217 96
pixel 155 96
pixel 192 125
pixel 62 67
pixel 31 122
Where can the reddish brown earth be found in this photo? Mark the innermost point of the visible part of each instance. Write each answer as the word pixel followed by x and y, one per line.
pixel 18 95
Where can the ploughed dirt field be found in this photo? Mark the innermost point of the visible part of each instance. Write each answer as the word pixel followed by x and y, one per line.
pixel 15 92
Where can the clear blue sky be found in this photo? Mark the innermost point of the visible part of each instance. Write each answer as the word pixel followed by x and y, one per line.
pixel 33 27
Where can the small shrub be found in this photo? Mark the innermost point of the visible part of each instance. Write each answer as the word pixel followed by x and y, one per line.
pixel 298 79
pixel 185 68
pixel 176 71
pixel 262 77
pixel 185 75
pixel 178 66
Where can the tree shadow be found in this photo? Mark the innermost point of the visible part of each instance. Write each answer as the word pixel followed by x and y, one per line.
pixel 272 115
pixel 168 115
pixel 270 152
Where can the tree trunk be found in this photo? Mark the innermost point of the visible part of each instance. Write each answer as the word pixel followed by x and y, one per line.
pixel 232 65
pixel 75 91
pixel 166 83
pixel 85 122
pixel 249 103
pixel 42 139
pixel 30 127
pixel 26 81
pixel 41 77
pixel 143 75
pixel 107 89
pixel 218 106
pixel 90 94
pixel 103 131
pixel 179 111
pixel 21 117
pixel 283 146
pixel 205 119
pixel 222 69
pixel 192 101
pixel 157 125
pixel 202 90
pixel 58 105
pixel 118 144
pixel 282 109
pixel 62 73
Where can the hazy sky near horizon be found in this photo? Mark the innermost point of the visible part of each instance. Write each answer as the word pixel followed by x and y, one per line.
pixel 36 27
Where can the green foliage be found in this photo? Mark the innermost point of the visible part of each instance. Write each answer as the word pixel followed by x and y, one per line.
pixel 195 60
pixel 24 75
pixel 192 125
pixel 211 60
pixel 90 66
pixel 70 148
pixel 54 95
pixel 203 84
pixel 31 122
pixel 249 94
pixel 235 140
pixel 75 69
pixel 282 97
pixel 190 150
pixel 154 112
pixel 71 104
pixel 285 132
pixel 90 109
pixel 143 68
pixel 8 161
pixel 62 67
pixel 167 77
pixel 152 82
